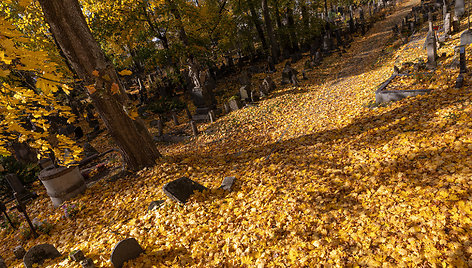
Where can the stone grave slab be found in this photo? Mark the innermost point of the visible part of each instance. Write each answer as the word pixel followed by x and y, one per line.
pixel 124 251
pixel 181 189
pixel 39 253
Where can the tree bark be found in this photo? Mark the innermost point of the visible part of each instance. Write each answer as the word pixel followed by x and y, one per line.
pixel 255 19
pixel 274 47
pixel 68 25
pixel 291 29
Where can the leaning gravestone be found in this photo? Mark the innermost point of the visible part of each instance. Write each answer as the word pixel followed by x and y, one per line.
pixel 181 189
pixel 124 251
pixel 39 253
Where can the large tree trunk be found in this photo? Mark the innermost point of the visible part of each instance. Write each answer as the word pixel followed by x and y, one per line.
pixel 274 47
pixel 291 29
pixel 255 20
pixel 82 51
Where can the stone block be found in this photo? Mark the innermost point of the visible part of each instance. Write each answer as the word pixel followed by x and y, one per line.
pixel 181 189
pixel 39 253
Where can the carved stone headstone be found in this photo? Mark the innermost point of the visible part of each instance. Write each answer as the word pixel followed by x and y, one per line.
pixel 124 251
pixel 431 49
pixel 267 86
pixel 234 104
pixel 289 74
pixel 181 189
pixel 244 91
pixel 39 253
pixel 447 23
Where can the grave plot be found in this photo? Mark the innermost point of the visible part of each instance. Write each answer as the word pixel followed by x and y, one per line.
pixel 411 82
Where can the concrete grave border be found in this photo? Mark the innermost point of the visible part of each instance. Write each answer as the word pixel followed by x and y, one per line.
pixel 382 95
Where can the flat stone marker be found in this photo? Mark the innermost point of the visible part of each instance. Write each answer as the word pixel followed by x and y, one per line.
pixel 181 189
pixel 124 251
pixel 39 253
pixel 228 183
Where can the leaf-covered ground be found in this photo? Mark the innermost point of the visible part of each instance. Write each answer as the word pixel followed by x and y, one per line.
pixel 324 177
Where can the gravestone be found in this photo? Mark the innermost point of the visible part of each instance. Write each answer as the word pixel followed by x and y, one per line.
pixel 466 38
pixel 202 92
pixel 19 252
pixel 289 75
pixel 226 108
pixel 39 253
pixel 267 86
pixel 234 104
pixel 431 49
pixel 447 24
pixel 244 91
pixel 181 189
pixel 228 183
pixel 193 127
pixel 459 81
pixel 459 8
pixel 124 251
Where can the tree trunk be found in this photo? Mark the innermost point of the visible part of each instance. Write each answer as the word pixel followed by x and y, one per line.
pixel 291 29
pixel 274 47
pixel 82 51
pixel 283 38
pixel 255 19
pixel 175 11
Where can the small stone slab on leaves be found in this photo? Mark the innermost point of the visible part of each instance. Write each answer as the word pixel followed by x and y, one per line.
pixel 181 189
pixel 39 253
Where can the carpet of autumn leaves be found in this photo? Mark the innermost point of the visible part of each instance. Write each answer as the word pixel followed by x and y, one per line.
pixel 323 177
